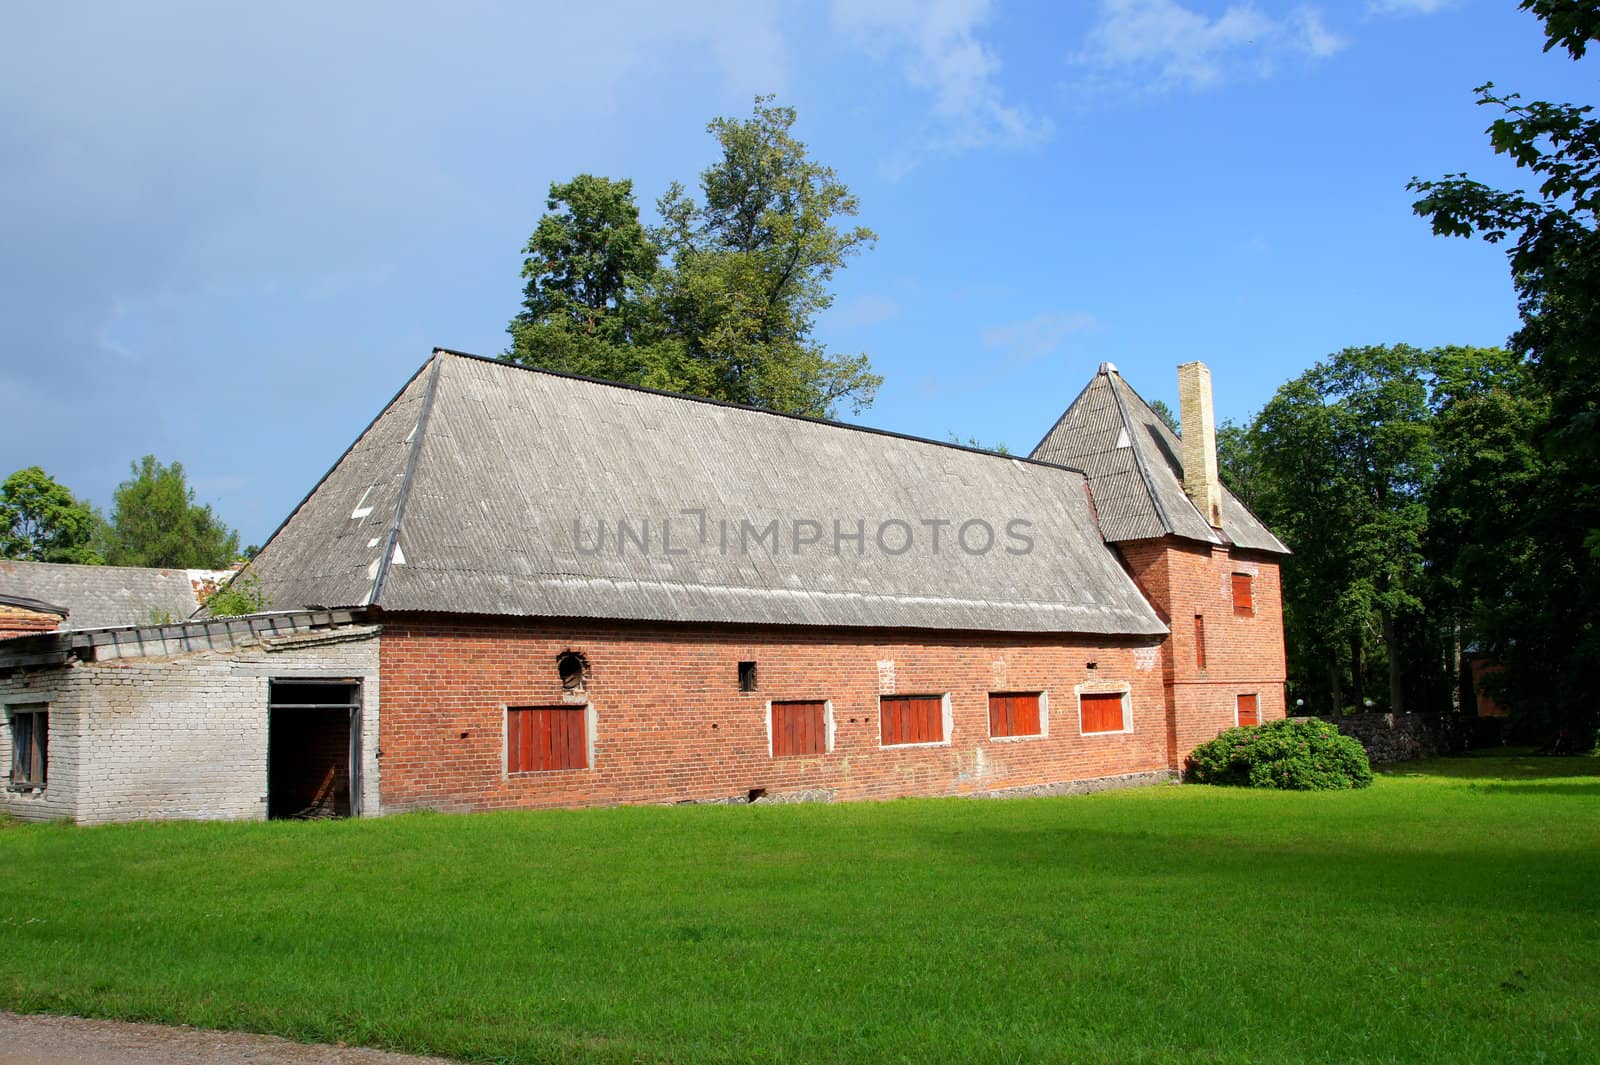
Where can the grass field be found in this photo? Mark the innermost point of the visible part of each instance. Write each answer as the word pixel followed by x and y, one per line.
pixel 1451 913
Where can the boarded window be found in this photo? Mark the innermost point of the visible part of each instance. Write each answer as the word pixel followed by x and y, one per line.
pixel 1200 640
pixel 30 747
pixel 1102 712
pixel 1014 714
pixel 544 738
pixel 1244 603
pixel 911 719
pixel 799 728
pixel 1249 710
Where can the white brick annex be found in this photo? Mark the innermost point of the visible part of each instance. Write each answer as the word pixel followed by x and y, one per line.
pixel 174 723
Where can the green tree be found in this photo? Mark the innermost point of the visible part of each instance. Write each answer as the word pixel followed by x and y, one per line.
pixel 590 306
pixel 731 312
pixel 1167 416
pixel 41 521
pixel 155 521
pixel 1344 460
pixel 751 266
pixel 1547 637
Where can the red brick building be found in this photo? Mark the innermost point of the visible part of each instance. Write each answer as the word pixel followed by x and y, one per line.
pixel 586 593
pixel 593 593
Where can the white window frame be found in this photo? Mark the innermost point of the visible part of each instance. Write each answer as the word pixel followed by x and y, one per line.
pixel 827 726
pixel 947 722
pixel 1044 719
pixel 590 721
pixel 12 710
pixel 1124 690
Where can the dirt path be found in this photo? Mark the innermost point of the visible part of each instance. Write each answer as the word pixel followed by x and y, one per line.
pixel 42 1040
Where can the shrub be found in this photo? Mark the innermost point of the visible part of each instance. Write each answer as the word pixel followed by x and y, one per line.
pixel 1306 755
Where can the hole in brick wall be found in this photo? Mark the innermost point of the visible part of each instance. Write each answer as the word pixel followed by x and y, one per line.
pixel 756 793
pixel 1091 665
pixel 573 669
pixel 747 676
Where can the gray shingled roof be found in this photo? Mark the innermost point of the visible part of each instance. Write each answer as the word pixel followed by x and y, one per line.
pixel 1133 462
pixel 463 495
pixel 102 596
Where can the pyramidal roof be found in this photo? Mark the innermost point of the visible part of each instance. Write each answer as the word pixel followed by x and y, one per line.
pixel 1133 462
pixel 488 488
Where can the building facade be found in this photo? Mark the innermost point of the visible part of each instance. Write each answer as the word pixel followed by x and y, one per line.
pixel 521 589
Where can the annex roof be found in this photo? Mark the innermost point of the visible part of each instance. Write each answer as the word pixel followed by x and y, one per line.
pixel 482 486
pixel 1133 462
pixel 100 596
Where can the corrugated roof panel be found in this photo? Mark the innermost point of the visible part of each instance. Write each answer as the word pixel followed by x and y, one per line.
pixel 519 469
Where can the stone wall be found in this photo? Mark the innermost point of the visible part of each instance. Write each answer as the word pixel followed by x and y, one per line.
pixel 1403 737
pixel 180 736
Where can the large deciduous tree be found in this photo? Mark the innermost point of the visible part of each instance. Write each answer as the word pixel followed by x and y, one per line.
pixel 1540 622
pixel 41 521
pixel 155 521
pixel 721 299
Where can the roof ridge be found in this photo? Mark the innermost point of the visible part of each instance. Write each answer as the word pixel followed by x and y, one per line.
pixel 385 559
pixel 707 400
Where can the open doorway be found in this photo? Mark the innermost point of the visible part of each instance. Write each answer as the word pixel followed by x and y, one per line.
pixel 313 748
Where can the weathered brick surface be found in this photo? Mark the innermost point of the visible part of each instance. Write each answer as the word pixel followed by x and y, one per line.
pixel 672 726
pixel 1244 655
pixel 173 737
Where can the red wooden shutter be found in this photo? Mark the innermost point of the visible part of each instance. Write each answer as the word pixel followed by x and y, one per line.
pixel 544 738
pixel 1244 604
pixel 1249 710
pixel 799 728
pixel 1102 711
pixel 911 719
pixel 1014 714
pixel 1200 640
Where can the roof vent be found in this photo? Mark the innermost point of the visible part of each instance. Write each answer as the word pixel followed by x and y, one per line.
pixel 1108 367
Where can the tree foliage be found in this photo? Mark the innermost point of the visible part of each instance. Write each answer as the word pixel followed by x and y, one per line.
pixel 1533 580
pixel 155 521
pixel 720 299
pixel 41 521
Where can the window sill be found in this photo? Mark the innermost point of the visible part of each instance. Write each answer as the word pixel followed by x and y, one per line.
pixel 1019 739
pixel 904 746
pixel 1114 732
pixel 24 789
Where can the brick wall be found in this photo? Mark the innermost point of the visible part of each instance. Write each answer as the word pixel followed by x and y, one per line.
pixel 183 736
pixel 670 724
pixel 1244 655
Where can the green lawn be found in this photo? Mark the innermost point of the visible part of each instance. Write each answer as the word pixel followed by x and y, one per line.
pixel 1451 913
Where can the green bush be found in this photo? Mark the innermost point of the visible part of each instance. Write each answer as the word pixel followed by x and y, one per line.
pixel 1295 755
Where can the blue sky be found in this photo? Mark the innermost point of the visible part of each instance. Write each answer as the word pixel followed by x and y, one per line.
pixel 232 231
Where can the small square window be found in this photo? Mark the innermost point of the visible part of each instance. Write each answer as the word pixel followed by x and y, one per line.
pixel 1103 712
pixel 911 719
pixel 1013 714
pixel 747 676
pixel 30 747
pixel 799 728
pixel 541 739
pixel 1244 602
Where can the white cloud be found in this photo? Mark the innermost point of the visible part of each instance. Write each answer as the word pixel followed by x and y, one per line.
pixel 1164 45
pixel 941 54
pixel 1407 7
pixel 1038 336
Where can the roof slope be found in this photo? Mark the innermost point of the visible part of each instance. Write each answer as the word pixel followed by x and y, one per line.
pixel 102 596
pixel 481 488
pixel 1133 462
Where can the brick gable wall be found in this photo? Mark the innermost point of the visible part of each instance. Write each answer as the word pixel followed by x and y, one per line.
pixel 1244 655
pixel 670 723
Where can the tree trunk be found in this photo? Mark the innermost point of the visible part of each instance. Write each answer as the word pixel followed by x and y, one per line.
pixel 1357 684
pixel 1334 683
pixel 1397 691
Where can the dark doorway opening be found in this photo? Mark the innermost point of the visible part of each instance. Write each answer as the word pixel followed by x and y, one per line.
pixel 313 748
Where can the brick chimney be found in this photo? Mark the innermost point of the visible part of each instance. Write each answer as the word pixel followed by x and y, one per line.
pixel 1199 419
